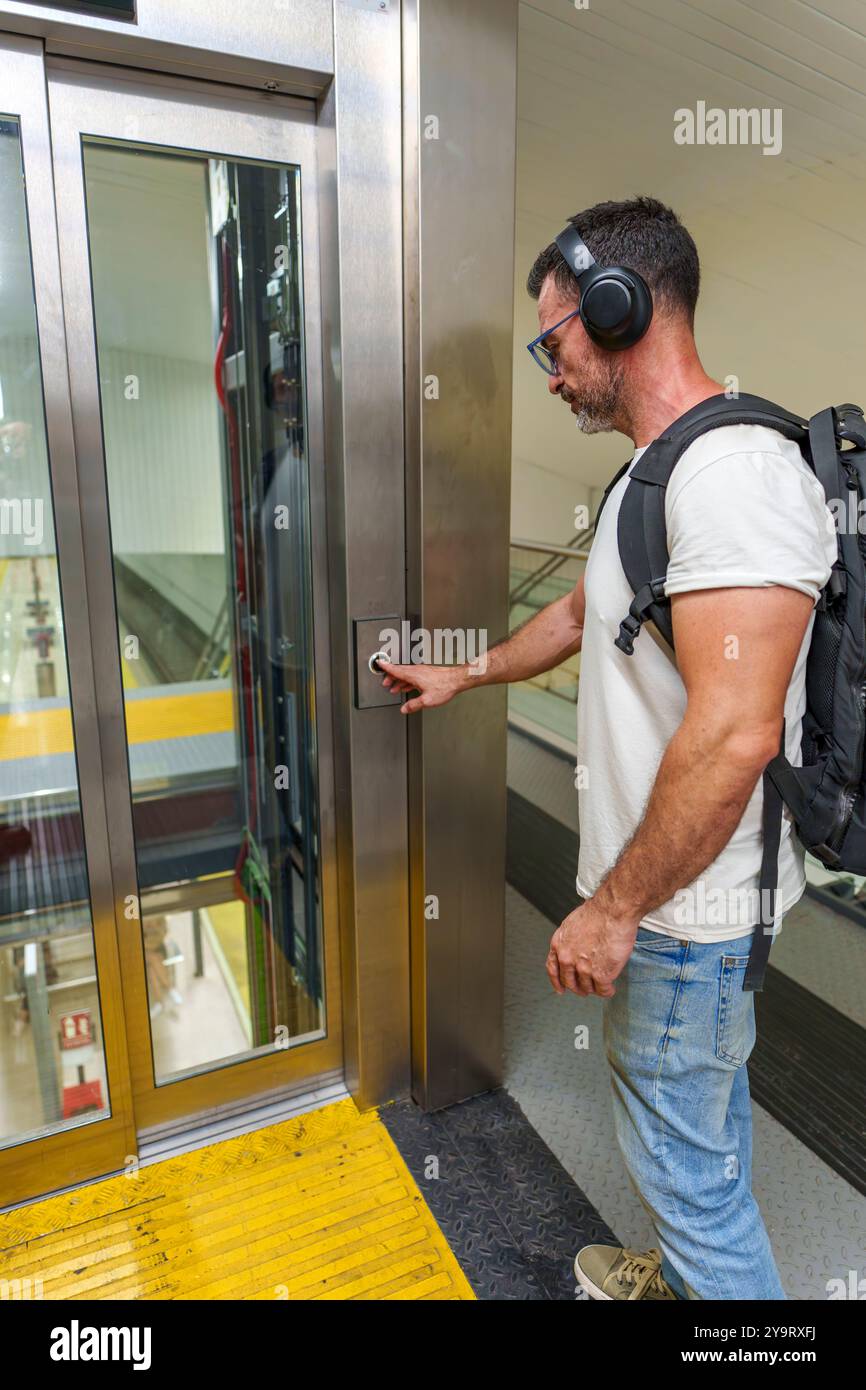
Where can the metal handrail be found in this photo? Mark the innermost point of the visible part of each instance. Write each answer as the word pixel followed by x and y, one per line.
pixel 558 555
pixel 546 549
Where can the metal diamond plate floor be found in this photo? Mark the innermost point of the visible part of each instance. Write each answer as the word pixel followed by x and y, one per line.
pixel 512 1213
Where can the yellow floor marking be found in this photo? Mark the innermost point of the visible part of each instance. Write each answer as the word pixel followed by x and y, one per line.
pixel 34 733
pixel 318 1207
pixel 174 716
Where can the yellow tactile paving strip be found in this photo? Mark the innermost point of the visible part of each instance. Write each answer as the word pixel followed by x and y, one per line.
pixel 36 733
pixel 318 1207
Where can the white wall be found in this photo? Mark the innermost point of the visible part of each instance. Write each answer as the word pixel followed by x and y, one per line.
pixel 781 238
pixel 156 338
pixel 24 477
pixel 163 454
pixel 155 322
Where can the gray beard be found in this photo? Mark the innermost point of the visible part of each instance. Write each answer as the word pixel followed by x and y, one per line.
pixel 596 416
pixel 590 422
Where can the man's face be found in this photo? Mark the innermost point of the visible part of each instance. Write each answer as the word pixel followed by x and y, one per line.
pixel 589 378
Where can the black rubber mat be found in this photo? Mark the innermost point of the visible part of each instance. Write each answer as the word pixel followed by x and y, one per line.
pixel 541 858
pixel 513 1216
pixel 808 1066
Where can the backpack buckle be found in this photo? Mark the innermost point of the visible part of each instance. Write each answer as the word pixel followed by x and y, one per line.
pixel 851 425
pixel 827 856
pixel 836 586
pixel 628 631
pixel 634 620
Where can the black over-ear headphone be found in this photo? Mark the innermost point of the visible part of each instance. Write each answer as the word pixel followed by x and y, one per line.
pixel 616 306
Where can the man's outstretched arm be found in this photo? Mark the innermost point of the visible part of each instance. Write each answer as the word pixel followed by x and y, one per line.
pixel 736 650
pixel 543 642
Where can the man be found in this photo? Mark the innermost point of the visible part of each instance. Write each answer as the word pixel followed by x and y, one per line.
pixel 674 748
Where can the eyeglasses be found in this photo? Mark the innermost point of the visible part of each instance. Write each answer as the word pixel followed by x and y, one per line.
pixel 542 355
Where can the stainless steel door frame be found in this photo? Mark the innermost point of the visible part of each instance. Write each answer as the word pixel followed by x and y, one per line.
pixel 101 1146
pixel 361 220
pixel 183 114
pixel 459 328
pixel 254 43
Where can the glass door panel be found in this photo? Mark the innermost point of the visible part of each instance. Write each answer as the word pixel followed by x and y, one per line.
pixel 196 273
pixel 190 266
pixel 52 1062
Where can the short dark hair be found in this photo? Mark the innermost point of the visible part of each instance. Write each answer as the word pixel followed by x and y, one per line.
pixel 640 233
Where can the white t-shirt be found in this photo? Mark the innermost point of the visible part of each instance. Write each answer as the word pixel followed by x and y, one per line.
pixel 743 508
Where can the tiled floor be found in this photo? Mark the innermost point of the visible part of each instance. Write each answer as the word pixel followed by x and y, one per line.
pixel 816 1220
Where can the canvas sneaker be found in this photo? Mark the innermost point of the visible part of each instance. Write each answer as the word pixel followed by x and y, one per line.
pixel 610 1271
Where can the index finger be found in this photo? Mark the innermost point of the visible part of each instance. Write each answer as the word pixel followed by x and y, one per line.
pixel 552 968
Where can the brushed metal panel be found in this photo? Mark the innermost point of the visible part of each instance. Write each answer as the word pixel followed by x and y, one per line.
pixel 369 690
pixel 361 220
pixel 459 256
pixel 288 42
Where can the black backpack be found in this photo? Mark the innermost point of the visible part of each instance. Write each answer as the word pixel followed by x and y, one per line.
pixel 826 796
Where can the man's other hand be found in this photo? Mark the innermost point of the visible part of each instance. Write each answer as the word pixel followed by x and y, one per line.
pixel 589 950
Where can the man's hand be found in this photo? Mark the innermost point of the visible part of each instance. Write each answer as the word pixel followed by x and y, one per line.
pixel 546 640
pixel 436 685
pixel 589 950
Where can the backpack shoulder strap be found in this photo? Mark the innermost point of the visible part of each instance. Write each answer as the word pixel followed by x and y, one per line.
pixel 642 530
pixel 609 489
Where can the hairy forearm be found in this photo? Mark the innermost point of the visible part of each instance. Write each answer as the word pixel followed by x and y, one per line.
pixel 701 790
pixel 545 641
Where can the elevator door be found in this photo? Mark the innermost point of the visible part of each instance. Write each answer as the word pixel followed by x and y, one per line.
pixel 189 260
pixel 65 1111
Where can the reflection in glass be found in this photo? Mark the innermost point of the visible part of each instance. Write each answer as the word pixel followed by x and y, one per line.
pixel 197 290
pixel 52 1070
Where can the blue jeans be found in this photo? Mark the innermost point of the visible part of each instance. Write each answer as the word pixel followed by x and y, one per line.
pixel 678 1033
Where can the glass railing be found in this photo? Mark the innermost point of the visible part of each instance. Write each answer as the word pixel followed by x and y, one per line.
pixel 539 574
